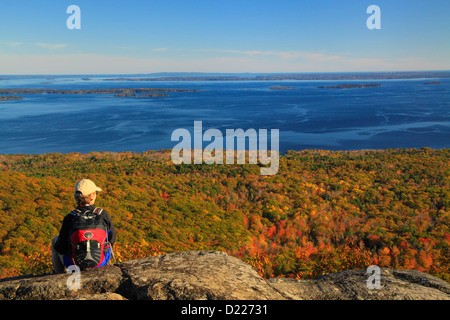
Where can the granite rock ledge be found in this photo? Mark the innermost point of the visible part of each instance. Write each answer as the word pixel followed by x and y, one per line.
pixel 214 275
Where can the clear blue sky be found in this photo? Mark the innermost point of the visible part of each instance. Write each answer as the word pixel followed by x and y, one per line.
pixel 223 36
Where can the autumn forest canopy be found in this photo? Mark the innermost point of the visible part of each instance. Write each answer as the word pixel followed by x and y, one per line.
pixel 324 211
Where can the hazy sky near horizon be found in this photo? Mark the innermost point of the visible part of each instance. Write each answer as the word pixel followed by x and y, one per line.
pixel 223 36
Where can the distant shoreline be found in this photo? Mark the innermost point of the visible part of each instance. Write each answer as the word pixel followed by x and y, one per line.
pixel 199 76
pixel 281 77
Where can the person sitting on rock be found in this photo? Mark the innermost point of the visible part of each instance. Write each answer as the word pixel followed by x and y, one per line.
pixel 87 233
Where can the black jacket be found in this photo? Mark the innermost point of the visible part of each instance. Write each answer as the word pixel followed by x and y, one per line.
pixel 62 244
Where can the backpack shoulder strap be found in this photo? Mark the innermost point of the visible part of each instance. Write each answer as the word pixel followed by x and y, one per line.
pixel 75 212
pixel 98 211
pixel 78 211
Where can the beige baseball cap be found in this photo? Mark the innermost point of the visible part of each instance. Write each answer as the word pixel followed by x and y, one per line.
pixel 86 187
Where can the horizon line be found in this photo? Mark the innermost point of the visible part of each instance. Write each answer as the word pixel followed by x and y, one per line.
pixel 220 73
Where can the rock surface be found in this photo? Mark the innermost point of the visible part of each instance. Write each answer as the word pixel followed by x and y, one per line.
pixel 213 275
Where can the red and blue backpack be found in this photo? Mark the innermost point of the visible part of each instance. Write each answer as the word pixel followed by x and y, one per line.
pixel 88 239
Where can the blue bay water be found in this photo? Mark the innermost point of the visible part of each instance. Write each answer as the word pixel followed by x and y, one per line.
pixel 400 114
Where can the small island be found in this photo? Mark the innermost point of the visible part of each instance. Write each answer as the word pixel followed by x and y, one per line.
pixel 282 88
pixel 120 93
pixel 352 86
pixel 94 91
pixel 133 95
pixel 5 98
